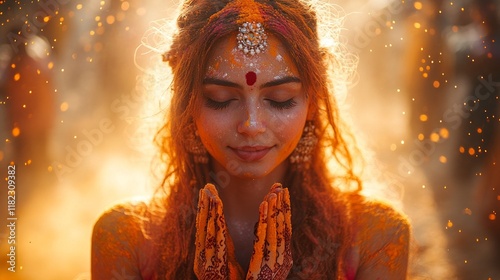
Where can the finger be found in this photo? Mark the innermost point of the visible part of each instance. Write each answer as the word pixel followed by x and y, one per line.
pixel 280 221
pixel 259 242
pixel 288 222
pixel 211 234
pixel 201 223
pixel 220 231
pixel 271 236
pixel 212 189
pixel 201 218
pixel 275 186
pixel 287 209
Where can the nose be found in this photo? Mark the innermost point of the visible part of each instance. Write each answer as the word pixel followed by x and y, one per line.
pixel 252 123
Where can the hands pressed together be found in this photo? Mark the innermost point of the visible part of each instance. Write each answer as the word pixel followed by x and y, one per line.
pixel 271 258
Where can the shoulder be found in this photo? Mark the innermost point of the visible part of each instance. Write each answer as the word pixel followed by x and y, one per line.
pixel 375 214
pixel 121 220
pixel 121 241
pixel 381 234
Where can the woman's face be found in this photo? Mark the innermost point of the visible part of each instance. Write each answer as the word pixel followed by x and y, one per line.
pixel 252 110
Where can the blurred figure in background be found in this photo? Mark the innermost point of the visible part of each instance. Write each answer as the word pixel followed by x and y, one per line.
pixel 28 93
pixel 453 78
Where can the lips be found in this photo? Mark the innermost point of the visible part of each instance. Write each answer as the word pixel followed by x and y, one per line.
pixel 251 153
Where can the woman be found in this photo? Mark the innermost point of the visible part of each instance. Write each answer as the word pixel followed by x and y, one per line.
pixel 250 132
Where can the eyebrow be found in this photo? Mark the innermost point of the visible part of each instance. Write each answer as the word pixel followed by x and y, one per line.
pixel 220 82
pixel 280 81
pixel 226 83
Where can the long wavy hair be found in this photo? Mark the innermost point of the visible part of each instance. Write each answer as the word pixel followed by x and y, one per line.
pixel 320 214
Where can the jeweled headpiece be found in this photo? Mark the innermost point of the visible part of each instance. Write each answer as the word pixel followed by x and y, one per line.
pixel 252 39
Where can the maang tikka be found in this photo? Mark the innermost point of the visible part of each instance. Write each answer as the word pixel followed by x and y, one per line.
pixel 252 39
pixel 194 145
pixel 302 155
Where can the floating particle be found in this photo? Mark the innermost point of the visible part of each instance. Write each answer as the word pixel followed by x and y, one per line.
pixel 467 211
pixel 449 224
pixel 421 136
pixel 423 118
pixel 64 106
pixel 125 6
pixel 140 11
pixel 434 137
pixel 472 151
pixel 479 130
pixel 16 131
pixel 110 19
pixel 492 217
pixel 393 147
pixel 418 5
pixel 443 132
pixel 17 77
pixel 442 159
pixel 436 84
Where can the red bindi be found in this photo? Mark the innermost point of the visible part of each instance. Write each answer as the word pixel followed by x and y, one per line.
pixel 251 78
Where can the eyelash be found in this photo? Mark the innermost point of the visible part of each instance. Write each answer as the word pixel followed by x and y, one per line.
pixel 288 104
pixel 216 105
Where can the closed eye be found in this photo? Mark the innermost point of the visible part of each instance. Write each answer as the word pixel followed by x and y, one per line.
pixel 288 104
pixel 217 105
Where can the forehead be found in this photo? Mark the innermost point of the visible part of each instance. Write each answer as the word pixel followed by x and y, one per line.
pixel 227 60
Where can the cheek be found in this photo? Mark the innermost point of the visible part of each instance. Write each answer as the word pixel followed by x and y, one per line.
pixel 212 128
pixel 289 126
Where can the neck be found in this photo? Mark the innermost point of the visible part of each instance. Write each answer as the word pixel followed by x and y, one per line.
pixel 242 195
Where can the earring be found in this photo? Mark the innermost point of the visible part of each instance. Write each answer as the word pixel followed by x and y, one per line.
pixel 194 145
pixel 302 155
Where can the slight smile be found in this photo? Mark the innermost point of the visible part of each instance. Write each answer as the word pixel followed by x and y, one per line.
pixel 251 153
